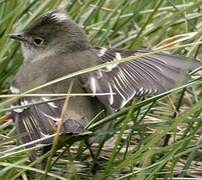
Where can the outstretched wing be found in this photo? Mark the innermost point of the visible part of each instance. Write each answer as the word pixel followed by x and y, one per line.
pixel 36 124
pixel 145 76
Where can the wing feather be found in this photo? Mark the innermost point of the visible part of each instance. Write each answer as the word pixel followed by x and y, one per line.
pixel 40 121
pixel 145 76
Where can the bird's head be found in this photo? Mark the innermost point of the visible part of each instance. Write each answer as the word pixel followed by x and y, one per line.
pixel 50 34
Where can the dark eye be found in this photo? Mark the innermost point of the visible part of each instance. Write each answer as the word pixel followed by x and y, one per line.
pixel 38 41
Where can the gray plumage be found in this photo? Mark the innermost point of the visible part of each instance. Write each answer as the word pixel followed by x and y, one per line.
pixel 54 46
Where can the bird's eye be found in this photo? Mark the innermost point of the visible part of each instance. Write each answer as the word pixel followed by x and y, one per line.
pixel 38 41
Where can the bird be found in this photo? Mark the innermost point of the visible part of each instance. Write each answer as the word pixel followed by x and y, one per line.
pixel 53 46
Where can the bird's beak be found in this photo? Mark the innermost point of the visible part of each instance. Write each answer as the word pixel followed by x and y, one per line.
pixel 17 36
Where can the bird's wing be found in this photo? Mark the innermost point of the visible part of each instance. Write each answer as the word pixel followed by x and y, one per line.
pixel 144 76
pixel 37 123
